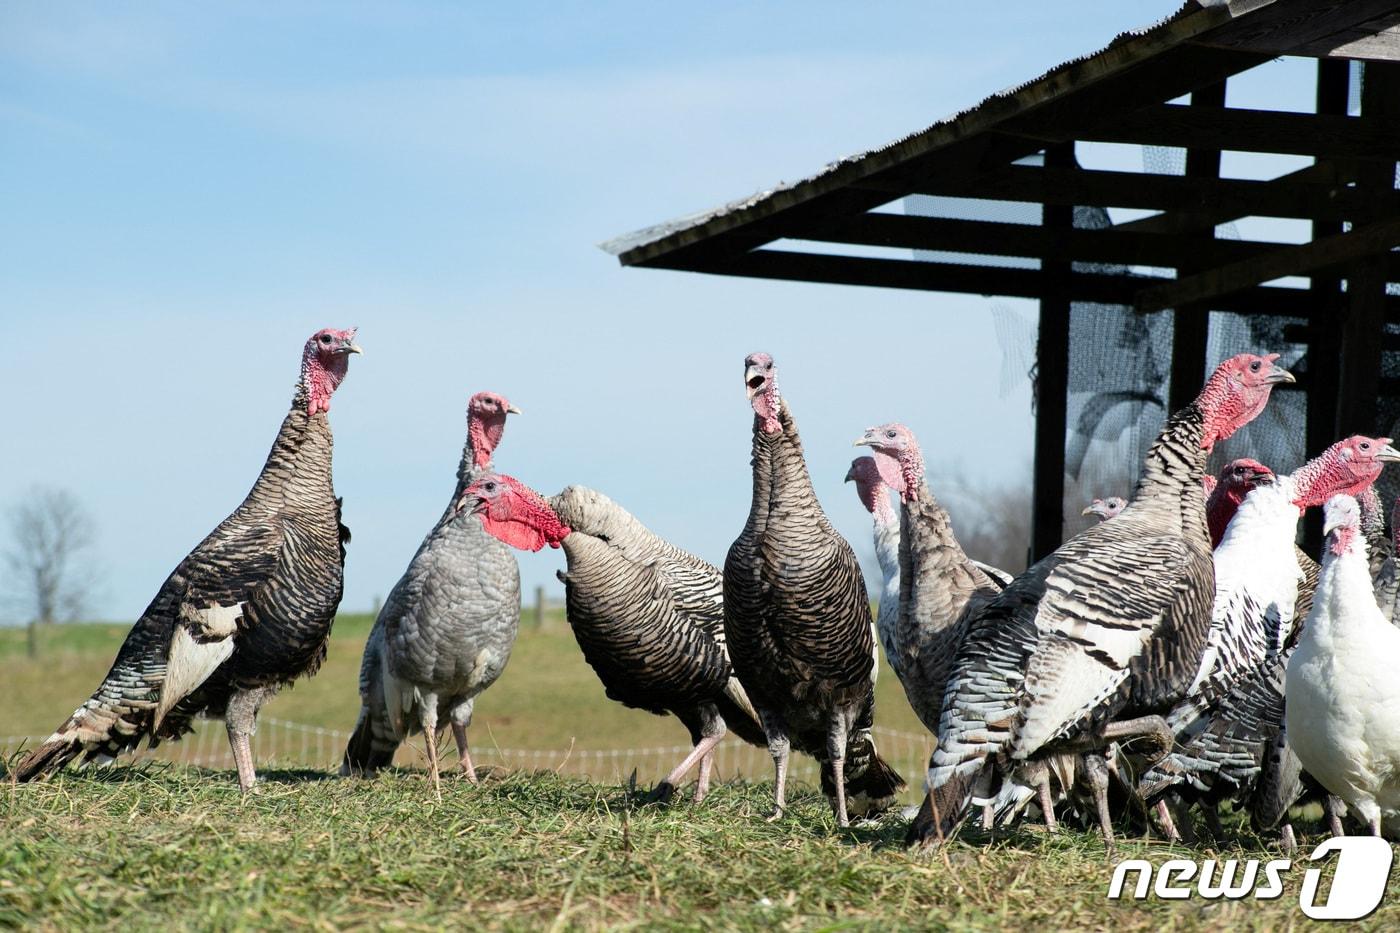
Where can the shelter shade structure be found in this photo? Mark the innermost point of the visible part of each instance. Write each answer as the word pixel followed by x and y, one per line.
pixel 1168 278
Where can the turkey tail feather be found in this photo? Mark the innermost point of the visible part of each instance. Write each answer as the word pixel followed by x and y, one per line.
pixel 57 751
pixel 366 753
pixel 872 786
pixel 943 808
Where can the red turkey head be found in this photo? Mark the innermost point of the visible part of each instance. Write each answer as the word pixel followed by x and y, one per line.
pixel 513 512
pixel 898 455
pixel 1235 480
pixel 324 362
pixel 486 422
pixel 1106 508
pixel 1348 466
pixel 870 487
pixel 1236 393
pixel 761 385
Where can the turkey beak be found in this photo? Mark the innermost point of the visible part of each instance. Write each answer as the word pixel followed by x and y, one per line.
pixel 1340 518
pixel 1388 454
pixel 1278 374
pixel 1090 510
pixel 512 410
pixel 865 440
pixel 851 473
pixel 754 381
pixel 348 345
pixel 1260 478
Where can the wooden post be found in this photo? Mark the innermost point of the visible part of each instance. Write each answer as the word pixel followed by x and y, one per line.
pixel 33 638
pixel 1191 323
pixel 1324 336
pixel 539 608
pixel 1052 381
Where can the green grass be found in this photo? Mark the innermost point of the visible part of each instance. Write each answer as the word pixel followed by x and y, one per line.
pixel 170 847
pixel 161 846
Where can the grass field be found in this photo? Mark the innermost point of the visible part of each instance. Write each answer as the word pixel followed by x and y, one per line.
pixel 169 846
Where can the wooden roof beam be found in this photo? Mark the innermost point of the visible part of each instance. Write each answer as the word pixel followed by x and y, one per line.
pixel 967 279
pixel 1230 128
pixel 1318 192
pixel 1360 243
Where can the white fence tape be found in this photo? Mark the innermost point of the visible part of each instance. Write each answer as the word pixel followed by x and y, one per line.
pixel 282 743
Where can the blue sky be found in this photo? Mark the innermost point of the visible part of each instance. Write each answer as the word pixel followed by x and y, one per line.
pixel 189 192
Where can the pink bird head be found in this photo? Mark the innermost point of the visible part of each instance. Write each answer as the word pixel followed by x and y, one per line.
pixel 1341 524
pixel 898 456
pixel 1236 393
pixel 1106 508
pixel 761 385
pixel 1234 482
pixel 870 487
pixel 1348 466
pixel 486 422
pixel 324 362
pixel 513 512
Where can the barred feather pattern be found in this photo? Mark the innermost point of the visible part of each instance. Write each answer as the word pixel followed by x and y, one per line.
pixel 268 579
pixel 797 617
pixel 649 618
pixel 939 586
pixel 444 634
pixel 1111 625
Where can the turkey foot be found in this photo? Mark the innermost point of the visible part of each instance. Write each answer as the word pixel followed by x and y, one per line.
pixel 1096 770
pixel 464 758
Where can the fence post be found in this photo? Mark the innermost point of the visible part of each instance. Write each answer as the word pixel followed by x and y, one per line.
pixel 539 608
pixel 33 638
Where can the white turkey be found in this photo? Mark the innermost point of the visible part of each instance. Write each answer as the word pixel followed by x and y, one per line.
pixel 1342 693
pixel 1094 643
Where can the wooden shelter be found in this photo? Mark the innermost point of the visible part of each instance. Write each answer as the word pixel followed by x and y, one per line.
pixel 1161 86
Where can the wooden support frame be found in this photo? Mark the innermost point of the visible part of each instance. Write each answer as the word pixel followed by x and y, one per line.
pixel 1052 381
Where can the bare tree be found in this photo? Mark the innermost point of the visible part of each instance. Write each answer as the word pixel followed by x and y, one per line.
pixel 50 537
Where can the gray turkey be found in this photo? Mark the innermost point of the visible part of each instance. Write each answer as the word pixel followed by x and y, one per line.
pixel 1223 725
pixel 247 611
pixel 447 629
pixel 939 585
pixel 797 619
pixel 1093 643
pixel 648 616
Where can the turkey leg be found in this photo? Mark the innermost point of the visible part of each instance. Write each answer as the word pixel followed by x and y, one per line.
pixel 775 729
pixel 427 715
pixel 461 719
pixel 1333 808
pixel 662 792
pixel 836 734
pixel 1097 771
pixel 241 720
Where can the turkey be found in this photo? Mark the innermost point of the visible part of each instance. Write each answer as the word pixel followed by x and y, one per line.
pixel 1227 491
pixel 648 616
pixel 1106 508
pixel 446 631
pixel 1224 726
pixel 1341 690
pixel 248 610
pixel 797 619
pixel 871 490
pixel 938 583
pixel 1387 579
pixel 1093 643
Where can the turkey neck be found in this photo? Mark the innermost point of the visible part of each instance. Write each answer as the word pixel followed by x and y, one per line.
pixel 1171 475
pixel 936 580
pixel 298 468
pixel 780 472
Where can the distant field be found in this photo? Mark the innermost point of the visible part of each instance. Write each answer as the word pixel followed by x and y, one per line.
pixel 548 702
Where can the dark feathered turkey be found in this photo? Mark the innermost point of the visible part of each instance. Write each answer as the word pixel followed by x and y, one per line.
pixel 248 610
pixel 650 620
pixel 797 619
pixel 1093 643
pixel 447 629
